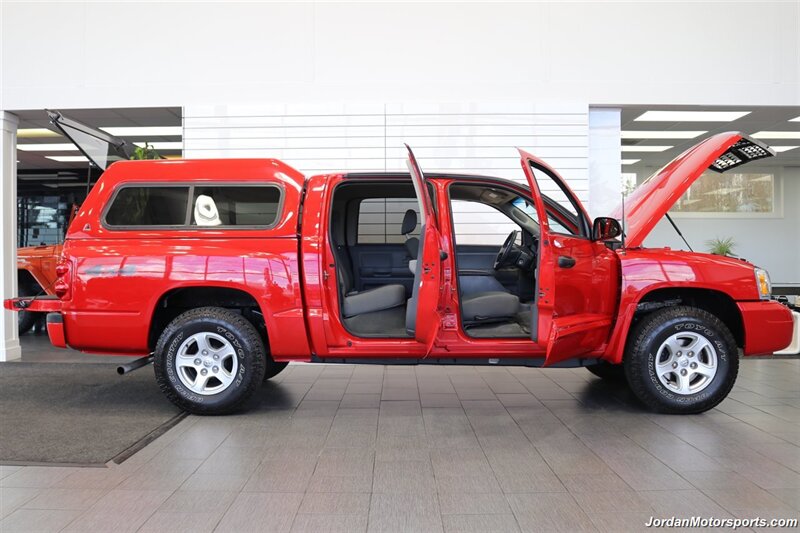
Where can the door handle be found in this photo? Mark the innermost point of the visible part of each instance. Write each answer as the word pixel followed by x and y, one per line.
pixel 564 261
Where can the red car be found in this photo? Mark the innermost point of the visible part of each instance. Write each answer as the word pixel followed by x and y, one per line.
pixel 223 271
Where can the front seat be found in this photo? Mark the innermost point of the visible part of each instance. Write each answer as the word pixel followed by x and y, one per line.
pixel 360 302
pixel 489 306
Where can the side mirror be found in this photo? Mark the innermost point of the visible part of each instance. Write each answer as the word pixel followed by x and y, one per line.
pixel 605 228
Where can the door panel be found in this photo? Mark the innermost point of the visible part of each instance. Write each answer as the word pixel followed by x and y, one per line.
pixel 425 302
pixel 375 265
pixel 577 279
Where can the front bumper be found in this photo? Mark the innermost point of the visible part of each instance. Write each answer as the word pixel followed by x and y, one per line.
pixel 768 327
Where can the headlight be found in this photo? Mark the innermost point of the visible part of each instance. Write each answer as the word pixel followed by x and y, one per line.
pixel 763 284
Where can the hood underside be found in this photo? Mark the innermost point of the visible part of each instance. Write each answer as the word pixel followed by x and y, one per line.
pixel 655 197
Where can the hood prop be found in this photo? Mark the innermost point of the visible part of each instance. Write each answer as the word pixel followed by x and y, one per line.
pixel 678 231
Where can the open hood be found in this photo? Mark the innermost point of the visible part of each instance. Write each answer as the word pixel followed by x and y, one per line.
pixel 653 199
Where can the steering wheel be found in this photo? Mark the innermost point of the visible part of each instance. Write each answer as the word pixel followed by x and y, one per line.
pixel 505 250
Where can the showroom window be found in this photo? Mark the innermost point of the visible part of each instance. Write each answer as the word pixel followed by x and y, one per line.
pixel 235 205
pixel 148 206
pixel 731 194
pixel 380 220
pixel 480 224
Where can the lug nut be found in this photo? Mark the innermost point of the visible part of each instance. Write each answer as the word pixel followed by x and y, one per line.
pixel 215 369
pixel 679 353
pixel 197 362
pixel 205 352
pixel 691 354
pixel 693 365
pixel 683 372
pixel 674 365
pixel 216 357
pixel 204 371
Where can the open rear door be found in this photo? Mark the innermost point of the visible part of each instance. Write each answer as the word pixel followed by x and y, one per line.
pixel 423 316
pixel 99 147
pixel 576 277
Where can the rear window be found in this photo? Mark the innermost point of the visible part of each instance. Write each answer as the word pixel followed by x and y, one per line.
pixel 149 206
pixel 380 220
pixel 254 206
pixel 235 206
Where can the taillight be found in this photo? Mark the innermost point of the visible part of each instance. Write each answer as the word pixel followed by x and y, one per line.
pixel 61 285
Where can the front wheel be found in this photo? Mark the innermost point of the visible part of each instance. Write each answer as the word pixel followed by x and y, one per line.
pixel 681 360
pixel 209 361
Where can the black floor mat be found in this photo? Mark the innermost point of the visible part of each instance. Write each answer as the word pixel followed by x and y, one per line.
pixel 386 323
pixel 77 413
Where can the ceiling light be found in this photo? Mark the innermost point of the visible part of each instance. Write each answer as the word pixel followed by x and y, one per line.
pixel 777 135
pixel 177 145
pixel 35 133
pixel 65 147
pixel 795 119
pixel 783 148
pixel 630 161
pixel 144 131
pixel 691 116
pixel 644 148
pixel 661 134
pixel 67 158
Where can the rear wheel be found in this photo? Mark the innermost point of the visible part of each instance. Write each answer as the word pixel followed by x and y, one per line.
pixel 681 360
pixel 209 361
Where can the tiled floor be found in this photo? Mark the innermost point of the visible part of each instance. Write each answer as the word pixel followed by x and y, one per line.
pixel 370 448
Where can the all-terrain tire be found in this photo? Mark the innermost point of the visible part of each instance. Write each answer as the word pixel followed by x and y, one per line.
pixel 607 371
pixel 642 356
pixel 249 357
pixel 273 369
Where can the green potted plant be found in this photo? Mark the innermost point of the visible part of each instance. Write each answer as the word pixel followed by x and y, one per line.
pixel 719 246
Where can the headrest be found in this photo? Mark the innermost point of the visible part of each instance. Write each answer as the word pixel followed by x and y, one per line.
pixel 205 211
pixel 409 222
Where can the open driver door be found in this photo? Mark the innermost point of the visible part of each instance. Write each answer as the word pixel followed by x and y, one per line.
pixel 575 290
pixel 423 314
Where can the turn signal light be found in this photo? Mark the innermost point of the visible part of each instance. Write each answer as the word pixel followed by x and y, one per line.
pixel 763 284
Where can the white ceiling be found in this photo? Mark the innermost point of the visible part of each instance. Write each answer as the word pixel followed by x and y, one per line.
pixel 759 119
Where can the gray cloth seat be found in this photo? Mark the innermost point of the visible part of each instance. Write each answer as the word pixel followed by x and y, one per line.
pixel 412 243
pixel 489 306
pixel 367 301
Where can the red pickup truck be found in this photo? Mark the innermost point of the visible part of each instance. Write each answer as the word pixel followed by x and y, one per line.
pixel 223 271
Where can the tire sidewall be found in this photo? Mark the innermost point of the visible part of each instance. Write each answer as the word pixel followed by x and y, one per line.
pixel 724 362
pixel 178 333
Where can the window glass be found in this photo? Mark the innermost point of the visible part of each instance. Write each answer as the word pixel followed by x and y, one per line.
pixel 380 220
pixel 478 223
pixel 235 205
pixel 729 193
pixel 149 206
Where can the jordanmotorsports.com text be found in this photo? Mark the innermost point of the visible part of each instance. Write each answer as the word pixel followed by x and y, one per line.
pixel 730 523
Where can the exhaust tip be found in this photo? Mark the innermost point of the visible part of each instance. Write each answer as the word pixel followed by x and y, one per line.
pixel 121 370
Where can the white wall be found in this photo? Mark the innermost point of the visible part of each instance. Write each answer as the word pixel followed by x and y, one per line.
pixel 772 243
pixel 122 54
pixel 455 137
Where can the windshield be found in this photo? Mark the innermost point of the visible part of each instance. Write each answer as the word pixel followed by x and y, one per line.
pixel 525 208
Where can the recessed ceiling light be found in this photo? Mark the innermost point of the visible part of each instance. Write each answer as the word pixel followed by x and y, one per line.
pixel 53 147
pixel 643 148
pixel 34 133
pixel 630 161
pixel 691 116
pixel 142 131
pixel 795 119
pixel 661 134
pixel 783 148
pixel 177 145
pixel 777 135
pixel 67 158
